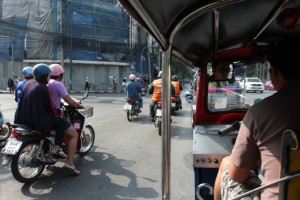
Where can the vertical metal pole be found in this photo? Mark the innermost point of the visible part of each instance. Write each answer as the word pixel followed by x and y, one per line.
pixel 12 61
pixel 61 34
pixel 71 40
pixel 141 58
pixel 166 124
pixel 158 60
pixel 141 62
pixel 149 64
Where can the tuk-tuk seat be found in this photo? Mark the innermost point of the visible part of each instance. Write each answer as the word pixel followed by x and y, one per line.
pixel 289 173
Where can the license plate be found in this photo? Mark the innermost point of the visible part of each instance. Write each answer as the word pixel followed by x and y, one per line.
pixel 12 147
pixel 158 112
pixel 127 106
pixel 173 104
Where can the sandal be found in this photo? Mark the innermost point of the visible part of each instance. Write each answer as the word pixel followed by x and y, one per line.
pixel 72 170
pixel 59 154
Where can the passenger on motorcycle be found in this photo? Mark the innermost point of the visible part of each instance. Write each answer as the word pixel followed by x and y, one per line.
pixel 177 86
pixel 133 90
pixel 57 92
pixel 27 74
pixel 35 110
pixel 155 88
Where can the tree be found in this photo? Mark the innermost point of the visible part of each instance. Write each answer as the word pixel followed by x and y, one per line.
pixel 181 70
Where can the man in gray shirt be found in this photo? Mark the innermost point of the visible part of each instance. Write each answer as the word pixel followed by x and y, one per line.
pixel 259 138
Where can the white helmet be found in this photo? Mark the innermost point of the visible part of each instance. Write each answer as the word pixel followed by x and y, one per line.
pixel 56 70
pixel 132 77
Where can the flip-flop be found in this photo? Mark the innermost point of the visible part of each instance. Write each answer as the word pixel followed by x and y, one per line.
pixel 59 154
pixel 73 170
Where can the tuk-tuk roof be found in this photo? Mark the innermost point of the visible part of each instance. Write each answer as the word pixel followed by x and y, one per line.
pixel 198 30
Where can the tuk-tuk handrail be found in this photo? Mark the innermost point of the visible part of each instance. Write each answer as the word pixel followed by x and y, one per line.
pixel 286 178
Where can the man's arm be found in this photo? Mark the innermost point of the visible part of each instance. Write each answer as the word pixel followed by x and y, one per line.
pixel 172 90
pixel 71 102
pixel 180 87
pixel 238 174
pixel 244 156
pixel 151 88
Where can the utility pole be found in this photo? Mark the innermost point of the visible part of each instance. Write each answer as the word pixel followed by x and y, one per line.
pixel 149 46
pixel 10 51
pixel 61 35
pixel 141 62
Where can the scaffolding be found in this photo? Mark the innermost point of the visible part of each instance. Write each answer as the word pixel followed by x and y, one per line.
pixel 87 30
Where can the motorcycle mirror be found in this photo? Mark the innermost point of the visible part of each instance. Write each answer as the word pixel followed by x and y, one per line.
pixel 86 94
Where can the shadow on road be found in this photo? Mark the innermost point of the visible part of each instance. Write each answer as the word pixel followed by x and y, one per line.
pixel 99 172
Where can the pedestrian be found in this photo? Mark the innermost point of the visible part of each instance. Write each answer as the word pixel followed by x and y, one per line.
pixel 10 85
pixel 87 84
pixel 124 84
pixel 115 82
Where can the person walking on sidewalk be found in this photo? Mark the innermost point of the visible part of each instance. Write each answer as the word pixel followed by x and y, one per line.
pixel 10 85
pixel 87 84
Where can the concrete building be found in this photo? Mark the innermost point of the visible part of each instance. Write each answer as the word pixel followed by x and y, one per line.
pixel 90 38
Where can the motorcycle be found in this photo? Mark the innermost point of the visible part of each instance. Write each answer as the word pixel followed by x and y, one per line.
pixel 175 104
pixel 144 90
pixel 189 96
pixel 132 108
pixel 158 116
pixel 30 152
pixel 4 128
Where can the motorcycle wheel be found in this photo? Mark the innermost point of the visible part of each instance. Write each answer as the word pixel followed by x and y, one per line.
pixel 129 116
pixel 24 166
pixel 188 99
pixel 4 132
pixel 87 140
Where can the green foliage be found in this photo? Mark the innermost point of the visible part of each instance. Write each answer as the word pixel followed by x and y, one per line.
pixel 182 71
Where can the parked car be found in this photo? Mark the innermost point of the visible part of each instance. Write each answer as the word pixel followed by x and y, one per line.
pixel 269 85
pixel 252 84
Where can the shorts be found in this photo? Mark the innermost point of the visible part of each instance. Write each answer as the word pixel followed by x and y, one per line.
pixel 231 189
pixel 59 124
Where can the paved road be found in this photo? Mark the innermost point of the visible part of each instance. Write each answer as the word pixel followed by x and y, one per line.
pixel 125 162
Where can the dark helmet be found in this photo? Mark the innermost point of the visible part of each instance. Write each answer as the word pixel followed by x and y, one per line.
pixel 174 78
pixel 27 72
pixel 41 70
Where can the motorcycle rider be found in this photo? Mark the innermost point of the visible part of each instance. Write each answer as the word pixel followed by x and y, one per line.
pixel 35 110
pixel 178 88
pixel 133 90
pixel 27 74
pixel 57 92
pixel 155 88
